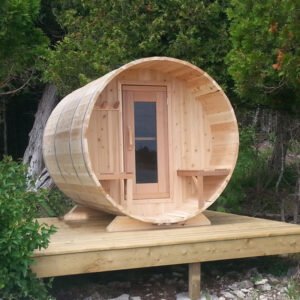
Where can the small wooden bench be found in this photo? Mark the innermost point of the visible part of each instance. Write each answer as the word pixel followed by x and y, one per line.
pixel 197 176
pixel 127 178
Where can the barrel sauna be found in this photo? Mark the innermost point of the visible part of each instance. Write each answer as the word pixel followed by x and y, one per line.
pixel 155 140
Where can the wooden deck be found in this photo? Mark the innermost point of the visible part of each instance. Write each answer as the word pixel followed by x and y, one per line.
pixel 86 247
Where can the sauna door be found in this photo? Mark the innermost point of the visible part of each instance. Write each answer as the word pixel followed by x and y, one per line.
pixel 145 132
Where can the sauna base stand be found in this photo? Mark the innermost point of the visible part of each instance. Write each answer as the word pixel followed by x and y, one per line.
pixel 123 223
pixel 82 213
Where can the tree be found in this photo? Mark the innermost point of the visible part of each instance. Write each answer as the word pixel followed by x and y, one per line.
pixel 21 44
pixel 33 155
pixel 265 57
pixel 265 63
pixel 106 34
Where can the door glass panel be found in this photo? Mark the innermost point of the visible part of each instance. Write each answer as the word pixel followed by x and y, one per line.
pixel 145 142
pixel 145 119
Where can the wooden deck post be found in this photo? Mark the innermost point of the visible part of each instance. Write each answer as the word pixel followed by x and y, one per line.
pixel 194 281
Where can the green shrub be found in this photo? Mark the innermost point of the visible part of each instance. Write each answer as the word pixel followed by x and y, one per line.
pixel 248 159
pixel 20 234
pixel 252 186
pixel 54 203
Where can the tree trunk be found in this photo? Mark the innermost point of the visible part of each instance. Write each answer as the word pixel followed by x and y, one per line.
pixel 297 200
pixel 282 139
pixel 33 155
pixel 255 118
pixel 44 181
pixel 278 159
pixel 3 128
pixel 297 189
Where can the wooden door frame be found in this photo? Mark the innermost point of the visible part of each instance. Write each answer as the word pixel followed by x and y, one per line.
pixel 165 84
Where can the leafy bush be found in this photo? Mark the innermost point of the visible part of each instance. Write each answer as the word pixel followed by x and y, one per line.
pixel 54 203
pixel 251 166
pixel 252 186
pixel 20 234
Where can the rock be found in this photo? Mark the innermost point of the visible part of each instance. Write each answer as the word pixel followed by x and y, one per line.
pixel 261 282
pixel 185 296
pixel 292 271
pixel 135 298
pixel 245 284
pixel 222 298
pixel 228 295
pixel 181 283
pixel 246 291
pixel 283 290
pixel 234 286
pixel 251 272
pixel 239 294
pixel 182 296
pixel 122 297
pixel 284 280
pixel 273 279
pixel 265 287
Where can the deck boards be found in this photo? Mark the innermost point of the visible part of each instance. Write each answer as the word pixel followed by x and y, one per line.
pixel 86 246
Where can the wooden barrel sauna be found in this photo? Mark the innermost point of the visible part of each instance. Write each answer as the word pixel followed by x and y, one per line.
pixel 156 140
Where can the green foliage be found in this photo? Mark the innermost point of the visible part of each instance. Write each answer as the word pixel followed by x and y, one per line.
pixel 20 234
pixel 21 41
pixel 106 34
pixel 248 162
pixel 251 188
pixel 293 290
pixel 54 203
pixel 265 57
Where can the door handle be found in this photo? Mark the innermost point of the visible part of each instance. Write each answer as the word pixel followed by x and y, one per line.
pixel 130 138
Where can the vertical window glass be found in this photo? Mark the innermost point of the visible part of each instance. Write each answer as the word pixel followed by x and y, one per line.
pixel 145 142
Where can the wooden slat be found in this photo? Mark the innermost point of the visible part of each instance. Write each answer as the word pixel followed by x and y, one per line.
pixel 200 191
pixel 115 176
pixel 129 192
pixel 99 261
pixel 215 172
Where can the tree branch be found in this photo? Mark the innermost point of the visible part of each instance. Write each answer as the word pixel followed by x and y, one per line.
pixel 18 89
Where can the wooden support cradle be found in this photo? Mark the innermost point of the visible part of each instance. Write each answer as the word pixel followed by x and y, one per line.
pixel 123 223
